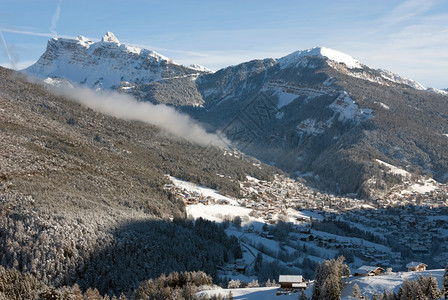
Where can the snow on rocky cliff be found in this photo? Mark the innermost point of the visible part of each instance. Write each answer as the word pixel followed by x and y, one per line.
pixel 350 66
pixel 400 79
pixel 330 54
pixel 105 64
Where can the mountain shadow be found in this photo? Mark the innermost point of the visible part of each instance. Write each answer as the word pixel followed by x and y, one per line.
pixel 146 249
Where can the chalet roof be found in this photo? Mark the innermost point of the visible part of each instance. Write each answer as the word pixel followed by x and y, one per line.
pixel 367 269
pixel 414 264
pixel 299 285
pixel 290 278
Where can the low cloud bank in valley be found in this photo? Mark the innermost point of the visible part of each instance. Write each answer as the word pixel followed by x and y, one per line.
pixel 126 107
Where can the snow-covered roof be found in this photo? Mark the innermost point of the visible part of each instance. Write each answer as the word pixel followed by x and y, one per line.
pixel 290 278
pixel 367 269
pixel 414 264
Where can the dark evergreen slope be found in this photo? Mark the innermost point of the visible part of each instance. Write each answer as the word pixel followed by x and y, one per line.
pixel 82 199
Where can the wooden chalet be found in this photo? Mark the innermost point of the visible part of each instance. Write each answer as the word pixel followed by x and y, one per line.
pixel 416 266
pixel 292 282
pixel 368 271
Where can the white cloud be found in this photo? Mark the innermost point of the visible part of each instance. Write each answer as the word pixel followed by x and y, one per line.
pixel 19 65
pixel 126 107
pixel 406 11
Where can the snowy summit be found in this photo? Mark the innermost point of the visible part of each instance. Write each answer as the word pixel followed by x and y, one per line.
pixel 323 52
pixel 106 64
pixel 110 37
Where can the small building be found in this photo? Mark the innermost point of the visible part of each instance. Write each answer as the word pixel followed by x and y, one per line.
pixel 368 271
pixel 240 266
pixel 292 282
pixel 416 266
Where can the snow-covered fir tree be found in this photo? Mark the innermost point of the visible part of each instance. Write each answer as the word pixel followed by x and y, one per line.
pixel 356 292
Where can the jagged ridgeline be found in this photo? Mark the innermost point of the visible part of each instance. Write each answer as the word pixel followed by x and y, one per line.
pixel 82 199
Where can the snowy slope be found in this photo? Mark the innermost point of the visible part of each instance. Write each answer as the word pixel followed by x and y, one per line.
pixel 261 293
pixel 205 191
pixel 400 79
pixel 105 64
pixel 353 67
pixel 369 284
pixel 422 186
pixel 437 91
pixel 330 54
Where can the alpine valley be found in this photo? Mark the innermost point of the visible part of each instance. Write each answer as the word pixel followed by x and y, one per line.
pixel 317 113
pixel 125 174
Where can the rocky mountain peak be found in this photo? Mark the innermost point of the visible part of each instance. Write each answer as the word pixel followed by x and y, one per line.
pixel 110 38
pixel 110 64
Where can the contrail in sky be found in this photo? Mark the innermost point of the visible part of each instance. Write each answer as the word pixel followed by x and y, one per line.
pixel 50 35
pixel 6 48
pixel 55 19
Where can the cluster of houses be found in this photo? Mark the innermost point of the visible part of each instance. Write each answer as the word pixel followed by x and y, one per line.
pixel 191 198
pixel 375 271
pixel 283 193
pixel 396 197
pixel 269 198
pixel 277 196
pixel 414 227
pixel 294 283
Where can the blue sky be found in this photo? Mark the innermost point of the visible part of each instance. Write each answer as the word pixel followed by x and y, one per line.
pixel 406 37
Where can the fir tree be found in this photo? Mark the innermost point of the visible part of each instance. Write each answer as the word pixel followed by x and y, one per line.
pixel 433 288
pixel 328 279
pixel 375 296
pixel 317 282
pixel 356 292
pixel 303 296
pixel 445 283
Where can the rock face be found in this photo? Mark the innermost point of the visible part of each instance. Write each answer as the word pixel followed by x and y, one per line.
pixel 317 113
pixel 110 64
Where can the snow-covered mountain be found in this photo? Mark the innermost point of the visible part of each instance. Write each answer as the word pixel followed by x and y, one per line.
pixel 351 66
pixel 333 56
pixel 109 64
pixel 105 64
pixel 437 91
pixel 322 112
pixel 400 79
pixel 299 112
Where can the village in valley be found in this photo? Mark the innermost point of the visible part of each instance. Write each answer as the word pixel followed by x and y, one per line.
pixel 288 222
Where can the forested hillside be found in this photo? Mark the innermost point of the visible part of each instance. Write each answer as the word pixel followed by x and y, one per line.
pixel 82 199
